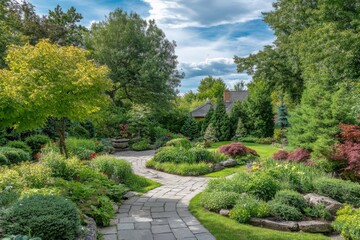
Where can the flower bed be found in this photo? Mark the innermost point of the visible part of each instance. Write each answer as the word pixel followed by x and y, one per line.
pixel 274 191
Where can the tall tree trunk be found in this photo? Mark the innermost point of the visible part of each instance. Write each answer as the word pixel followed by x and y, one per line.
pixel 60 129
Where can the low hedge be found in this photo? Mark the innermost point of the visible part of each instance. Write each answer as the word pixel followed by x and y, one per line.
pixel 116 169
pixel 14 155
pixel 340 190
pixel 215 201
pixel 179 143
pixel 20 145
pixel 142 145
pixel 47 217
pixel 184 169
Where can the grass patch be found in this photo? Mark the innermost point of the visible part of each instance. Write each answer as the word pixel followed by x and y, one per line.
pixel 140 184
pixel 183 169
pixel 227 229
pixel 226 172
pixel 264 150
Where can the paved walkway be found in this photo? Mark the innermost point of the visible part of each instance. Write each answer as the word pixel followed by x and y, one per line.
pixel 162 213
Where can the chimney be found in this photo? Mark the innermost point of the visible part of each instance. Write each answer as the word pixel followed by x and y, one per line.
pixel 227 96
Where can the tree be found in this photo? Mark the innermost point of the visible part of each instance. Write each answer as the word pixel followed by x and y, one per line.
pixel 212 88
pixel 282 116
pixel 221 122
pixel 260 119
pixel 45 81
pixel 190 128
pixel 239 86
pixel 237 111
pixel 140 120
pixel 207 120
pixel 240 129
pixel 142 61
pixel 210 134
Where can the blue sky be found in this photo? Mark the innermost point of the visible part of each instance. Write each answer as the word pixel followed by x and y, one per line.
pixel 208 33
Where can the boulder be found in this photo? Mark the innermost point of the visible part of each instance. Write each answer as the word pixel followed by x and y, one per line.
pixel 315 226
pixel 282 226
pixel 332 205
pixel 224 212
pixel 218 167
pixel 229 163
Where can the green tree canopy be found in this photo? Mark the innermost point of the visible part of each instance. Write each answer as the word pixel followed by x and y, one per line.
pixel 212 88
pixel 45 81
pixel 142 61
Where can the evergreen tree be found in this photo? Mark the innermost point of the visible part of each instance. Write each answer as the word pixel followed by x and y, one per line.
pixel 314 125
pixel 258 106
pixel 206 121
pixel 190 128
pixel 221 122
pixel 237 111
pixel 240 129
pixel 282 116
pixel 210 134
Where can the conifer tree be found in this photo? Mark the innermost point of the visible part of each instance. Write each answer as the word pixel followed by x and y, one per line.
pixel 210 134
pixel 190 128
pixel 282 116
pixel 240 129
pixel 206 121
pixel 237 111
pixel 221 122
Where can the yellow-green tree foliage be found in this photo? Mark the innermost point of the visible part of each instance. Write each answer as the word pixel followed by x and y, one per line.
pixel 45 81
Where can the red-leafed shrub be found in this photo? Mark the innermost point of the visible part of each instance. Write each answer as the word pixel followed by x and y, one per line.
pixel 281 155
pixel 350 133
pixel 299 155
pixel 348 151
pixel 237 149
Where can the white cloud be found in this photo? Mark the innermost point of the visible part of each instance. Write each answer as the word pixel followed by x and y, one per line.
pixel 204 13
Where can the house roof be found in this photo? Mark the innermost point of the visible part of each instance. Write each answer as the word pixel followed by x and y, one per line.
pixel 233 97
pixel 230 98
pixel 202 110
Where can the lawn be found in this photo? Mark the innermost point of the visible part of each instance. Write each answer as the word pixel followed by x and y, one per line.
pixel 141 184
pixel 264 150
pixel 227 229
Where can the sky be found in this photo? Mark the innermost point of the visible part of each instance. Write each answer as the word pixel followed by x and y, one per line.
pixel 208 33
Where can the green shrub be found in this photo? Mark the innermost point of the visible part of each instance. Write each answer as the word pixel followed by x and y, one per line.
pixel 201 155
pixel 264 140
pixel 3 160
pixel 318 211
pixel 93 197
pixel 262 185
pixel 183 169
pixel 84 154
pixel 20 145
pixel 284 211
pixel 36 142
pixel 174 155
pixel 47 217
pixel 114 168
pixel 60 166
pixel 10 178
pixel 247 207
pixel 179 143
pixel 34 175
pixel 291 198
pixel 340 190
pixel 215 201
pixel 143 144
pixel 14 155
pixel 7 197
pixel 78 131
pixel 347 222
pixel 228 185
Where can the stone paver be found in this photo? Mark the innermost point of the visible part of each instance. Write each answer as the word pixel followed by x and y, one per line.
pixel 162 213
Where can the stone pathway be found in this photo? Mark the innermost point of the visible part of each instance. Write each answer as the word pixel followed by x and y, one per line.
pixel 162 213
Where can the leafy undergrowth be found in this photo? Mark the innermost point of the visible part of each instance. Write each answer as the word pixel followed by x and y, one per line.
pixel 226 172
pixel 264 150
pixel 227 229
pixel 141 184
